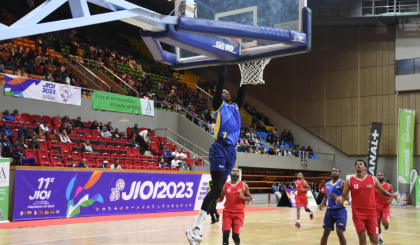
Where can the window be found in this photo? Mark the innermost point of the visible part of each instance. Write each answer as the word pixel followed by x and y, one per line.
pixel 405 67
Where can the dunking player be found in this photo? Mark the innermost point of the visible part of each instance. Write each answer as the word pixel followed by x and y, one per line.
pixel 383 205
pixel 301 187
pixel 363 205
pixel 222 154
pixel 336 213
pixel 236 192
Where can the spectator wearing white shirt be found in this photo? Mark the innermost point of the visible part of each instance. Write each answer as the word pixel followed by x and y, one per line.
pixel 116 165
pixel 44 127
pixel 63 137
pixel 105 133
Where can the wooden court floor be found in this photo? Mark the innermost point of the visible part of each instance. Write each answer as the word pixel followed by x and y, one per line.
pixel 264 227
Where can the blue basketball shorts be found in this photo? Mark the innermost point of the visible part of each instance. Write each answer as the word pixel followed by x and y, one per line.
pixel 337 217
pixel 222 157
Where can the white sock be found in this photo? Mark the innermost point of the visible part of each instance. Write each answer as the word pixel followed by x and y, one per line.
pixel 380 236
pixel 200 219
pixel 298 221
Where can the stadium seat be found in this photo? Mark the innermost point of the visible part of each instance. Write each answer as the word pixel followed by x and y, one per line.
pixel 35 117
pixel 142 168
pixel 132 167
pixel 151 168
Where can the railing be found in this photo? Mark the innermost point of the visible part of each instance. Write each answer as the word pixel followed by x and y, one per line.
pixel 204 93
pixel 391 7
pixel 183 142
pixel 89 74
pixel 302 154
pixel 96 65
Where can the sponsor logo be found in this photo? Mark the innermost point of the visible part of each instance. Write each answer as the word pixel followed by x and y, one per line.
pixel 115 192
pixel 405 171
pixel 369 186
pixel 224 46
pixel 57 211
pixel 65 93
pixel 356 186
pixel 298 38
pixel 228 190
pixel 338 186
pixel 340 224
pixel 22 213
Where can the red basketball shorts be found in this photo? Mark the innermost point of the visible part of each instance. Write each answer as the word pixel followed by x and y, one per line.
pixel 382 211
pixel 302 200
pixel 365 221
pixel 234 221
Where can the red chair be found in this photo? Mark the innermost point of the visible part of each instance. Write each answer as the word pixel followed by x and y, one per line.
pixel 53 153
pixel 51 144
pixel 159 168
pixel 124 167
pixel 142 168
pixel 65 149
pixel 71 146
pixel 174 169
pixel 200 162
pixel 26 117
pixel 95 134
pixel 138 163
pixel 31 153
pixel 58 165
pixel 77 155
pixel 132 167
pixel 45 164
pixel 90 161
pixel 151 168
pixel 129 131
pixel 46 118
pixel 43 145
pixel 128 162
pixel 35 117
pixel 100 162
pixel 166 169
pixel 136 152
pixel 42 156
pixel 163 139
pixel 154 147
pixel 87 132
pixel 93 165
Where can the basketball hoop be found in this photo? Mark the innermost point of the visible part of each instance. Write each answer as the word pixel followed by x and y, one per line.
pixel 252 72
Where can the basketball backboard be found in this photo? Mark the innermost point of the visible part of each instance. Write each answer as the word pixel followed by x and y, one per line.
pixel 280 14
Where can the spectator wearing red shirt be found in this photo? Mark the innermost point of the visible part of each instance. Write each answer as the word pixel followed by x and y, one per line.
pixel 322 191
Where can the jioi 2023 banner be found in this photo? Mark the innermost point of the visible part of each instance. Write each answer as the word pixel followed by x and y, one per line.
pixel 46 194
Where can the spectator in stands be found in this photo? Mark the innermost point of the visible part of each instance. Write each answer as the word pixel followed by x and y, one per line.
pixel 168 154
pixel 104 164
pixel 8 132
pixel 79 123
pixel 83 164
pixel 57 121
pixel 271 151
pixel 116 134
pixel 184 167
pixel 162 146
pixel 53 135
pixel 116 165
pixel 21 73
pixel 19 157
pixel 123 135
pixel 289 137
pixel 17 117
pixel 181 155
pixel 40 135
pixel 44 127
pixel 145 134
pixel 64 126
pixel 175 162
pixel 303 154
pixel 105 133
pixel 20 141
pixel 63 137
pixel 163 164
pixel 8 117
pixel 2 117
pixel 101 125
pixel 33 143
pixel 109 127
pixel 66 120
pixel 135 129
pixel 72 164
pixel 276 189
pixel 310 151
pixel 95 126
pixel 6 146
pixel 24 131
pixel 86 147
pixel 133 142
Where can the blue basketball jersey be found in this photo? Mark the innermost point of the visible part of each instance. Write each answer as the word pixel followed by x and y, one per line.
pixel 336 189
pixel 228 123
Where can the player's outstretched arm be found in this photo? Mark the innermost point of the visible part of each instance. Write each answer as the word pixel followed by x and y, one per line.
pixel 382 191
pixel 240 96
pixel 345 195
pixel 247 196
pixel 217 98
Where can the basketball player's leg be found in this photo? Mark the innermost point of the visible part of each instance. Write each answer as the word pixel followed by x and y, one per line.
pixel 340 217
pixel 328 226
pixel 237 225
pixel 360 225
pixel 372 230
pixel 305 205
pixel 362 237
pixel 385 217
pixel 298 206
pixel 227 222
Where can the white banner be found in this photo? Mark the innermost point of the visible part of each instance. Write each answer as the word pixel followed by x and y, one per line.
pixel 42 90
pixel 4 189
pixel 147 107
pixel 201 193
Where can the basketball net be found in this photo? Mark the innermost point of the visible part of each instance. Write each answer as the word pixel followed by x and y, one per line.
pixel 252 72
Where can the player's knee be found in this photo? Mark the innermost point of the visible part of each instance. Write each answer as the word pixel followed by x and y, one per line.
pixel 226 237
pixel 236 238
pixel 340 231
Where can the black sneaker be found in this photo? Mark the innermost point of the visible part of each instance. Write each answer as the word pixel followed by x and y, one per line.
pixel 381 241
pixel 217 217
pixel 213 221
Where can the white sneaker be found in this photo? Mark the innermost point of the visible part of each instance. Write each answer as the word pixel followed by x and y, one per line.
pixel 194 236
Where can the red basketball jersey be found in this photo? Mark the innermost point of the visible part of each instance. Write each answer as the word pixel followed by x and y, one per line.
pixel 234 204
pixel 363 193
pixel 298 186
pixel 379 198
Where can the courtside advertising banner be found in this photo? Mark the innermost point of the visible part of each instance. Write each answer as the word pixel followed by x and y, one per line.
pixel 201 194
pixel 405 145
pixel 374 142
pixel 42 90
pixel 47 194
pixel 4 189
pixel 417 188
pixel 292 198
pixel 121 103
